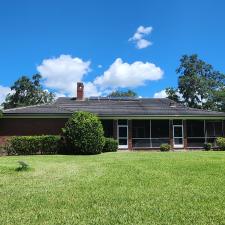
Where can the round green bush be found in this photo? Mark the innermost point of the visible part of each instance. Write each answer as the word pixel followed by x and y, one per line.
pixel 164 147
pixel 220 141
pixel 111 145
pixel 207 146
pixel 84 134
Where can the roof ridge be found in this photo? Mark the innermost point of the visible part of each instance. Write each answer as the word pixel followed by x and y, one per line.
pixel 28 106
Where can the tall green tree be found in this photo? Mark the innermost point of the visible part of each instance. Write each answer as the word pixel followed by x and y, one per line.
pixel 219 99
pixel 26 91
pixel 199 85
pixel 172 94
pixel 128 93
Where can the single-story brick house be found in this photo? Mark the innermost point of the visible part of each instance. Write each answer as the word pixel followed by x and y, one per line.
pixel 137 123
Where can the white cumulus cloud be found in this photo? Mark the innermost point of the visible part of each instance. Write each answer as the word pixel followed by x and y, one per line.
pixel 124 75
pixel 62 73
pixel 4 91
pixel 91 89
pixel 139 37
pixel 160 94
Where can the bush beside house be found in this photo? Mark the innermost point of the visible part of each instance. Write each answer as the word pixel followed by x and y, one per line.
pixel 207 146
pixel 165 147
pixel 83 134
pixel 111 145
pixel 220 141
pixel 29 145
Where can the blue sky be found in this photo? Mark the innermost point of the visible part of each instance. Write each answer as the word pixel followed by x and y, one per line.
pixel 85 40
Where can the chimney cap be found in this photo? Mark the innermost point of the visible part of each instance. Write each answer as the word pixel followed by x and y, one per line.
pixel 80 83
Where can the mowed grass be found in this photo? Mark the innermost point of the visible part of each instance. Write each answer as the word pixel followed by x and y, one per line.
pixel 114 188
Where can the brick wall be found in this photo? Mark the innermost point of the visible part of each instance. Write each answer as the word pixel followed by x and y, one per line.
pixel 37 126
pixel 3 139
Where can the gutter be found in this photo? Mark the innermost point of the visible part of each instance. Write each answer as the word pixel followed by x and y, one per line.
pixel 110 116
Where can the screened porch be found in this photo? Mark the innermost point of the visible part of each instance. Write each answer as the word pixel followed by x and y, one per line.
pixel 151 133
pixel 203 131
pixel 178 133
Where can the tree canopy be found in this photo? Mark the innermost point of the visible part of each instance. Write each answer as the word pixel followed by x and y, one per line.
pixel 199 85
pixel 128 93
pixel 26 91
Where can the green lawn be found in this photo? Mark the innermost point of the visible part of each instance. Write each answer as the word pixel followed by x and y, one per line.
pixel 114 188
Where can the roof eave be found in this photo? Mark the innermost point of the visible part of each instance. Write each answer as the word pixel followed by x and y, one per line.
pixel 112 116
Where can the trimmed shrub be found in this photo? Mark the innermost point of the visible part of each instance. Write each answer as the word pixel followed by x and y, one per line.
pixel 29 145
pixel 165 147
pixel 220 141
pixel 111 145
pixel 50 144
pixel 207 146
pixel 83 134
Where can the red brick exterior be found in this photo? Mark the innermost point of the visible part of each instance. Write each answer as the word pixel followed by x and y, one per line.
pixel 80 91
pixel 37 126
pixel 3 139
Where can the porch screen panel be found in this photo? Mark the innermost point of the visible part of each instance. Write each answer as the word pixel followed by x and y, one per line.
pixel 141 133
pixel 159 132
pixel 195 133
pixel 108 128
pixel 214 129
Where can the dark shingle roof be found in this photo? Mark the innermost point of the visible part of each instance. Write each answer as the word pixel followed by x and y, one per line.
pixel 113 107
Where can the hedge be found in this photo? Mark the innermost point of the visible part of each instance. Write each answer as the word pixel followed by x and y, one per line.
pixel 111 145
pixel 29 145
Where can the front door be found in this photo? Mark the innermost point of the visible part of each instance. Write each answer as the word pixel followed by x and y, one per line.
pixel 123 134
pixel 178 140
